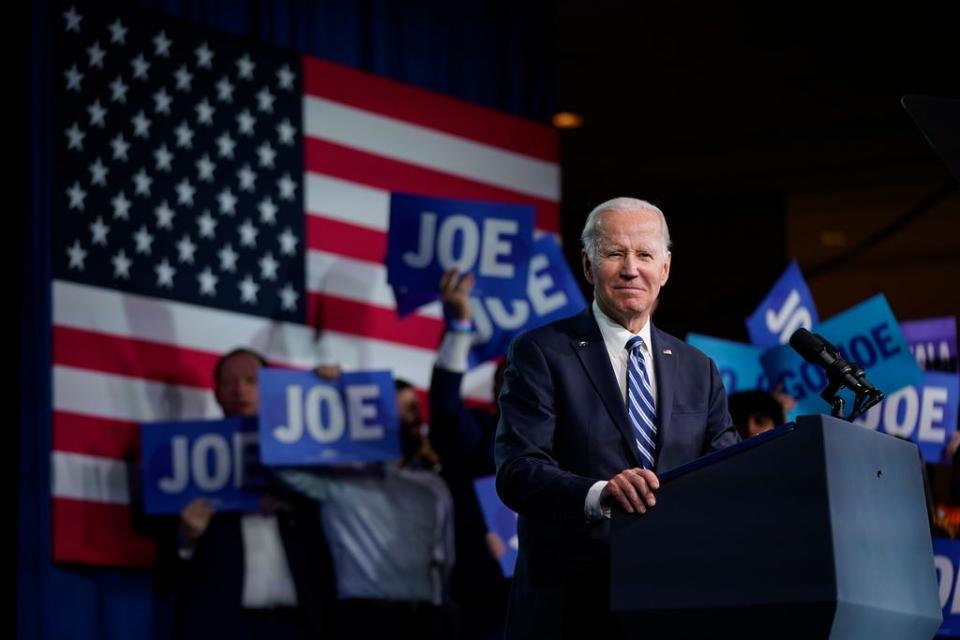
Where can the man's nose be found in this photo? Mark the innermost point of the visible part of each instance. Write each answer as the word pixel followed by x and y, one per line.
pixel 629 268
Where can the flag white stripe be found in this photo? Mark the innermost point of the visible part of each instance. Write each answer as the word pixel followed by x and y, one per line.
pixel 426 147
pixel 345 201
pixel 91 478
pixel 327 197
pixel 129 315
pixel 411 363
pixel 128 398
pixel 117 397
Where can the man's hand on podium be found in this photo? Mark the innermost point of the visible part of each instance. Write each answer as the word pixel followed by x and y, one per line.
pixel 632 489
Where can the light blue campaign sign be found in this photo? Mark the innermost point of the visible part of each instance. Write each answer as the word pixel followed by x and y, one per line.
pixel 428 236
pixel 500 520
pixel 933 342
pixel 306 420
pixel 552 293
pixel 946 560
pixel 925 413
pixel 214 459
pixel 738 363
pixel 788 307
pixel 867 334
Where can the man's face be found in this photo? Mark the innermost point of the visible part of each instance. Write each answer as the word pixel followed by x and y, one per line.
pixel 412 430
pixel 408 408
pixel 237 392
pixel 632 264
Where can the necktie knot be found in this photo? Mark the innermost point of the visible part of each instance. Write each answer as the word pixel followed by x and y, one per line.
pixel 635 344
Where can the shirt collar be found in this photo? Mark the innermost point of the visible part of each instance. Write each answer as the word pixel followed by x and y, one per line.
pixel 615 335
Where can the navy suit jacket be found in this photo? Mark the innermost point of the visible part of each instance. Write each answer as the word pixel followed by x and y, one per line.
pixel 207 590
pixel 564 426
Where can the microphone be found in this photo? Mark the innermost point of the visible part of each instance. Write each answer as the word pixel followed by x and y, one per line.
pixel 815 349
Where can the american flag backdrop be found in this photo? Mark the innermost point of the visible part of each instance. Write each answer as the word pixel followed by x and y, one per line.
pixel 211 192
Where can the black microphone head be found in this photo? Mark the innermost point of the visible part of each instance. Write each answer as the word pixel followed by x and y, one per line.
pixel 802 340
pixel 812 347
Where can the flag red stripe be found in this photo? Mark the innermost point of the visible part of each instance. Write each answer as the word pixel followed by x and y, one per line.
pixel 132 357
pixel 140 359
pixel 327 312
pixel 403 102
pixel 353 241
pixel 383 173
pixel 96 436
pixel 100 534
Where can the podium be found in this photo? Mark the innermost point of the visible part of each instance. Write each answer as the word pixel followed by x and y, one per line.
pixel 813 530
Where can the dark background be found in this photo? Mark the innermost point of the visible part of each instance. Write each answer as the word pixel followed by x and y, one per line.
pixel 766 136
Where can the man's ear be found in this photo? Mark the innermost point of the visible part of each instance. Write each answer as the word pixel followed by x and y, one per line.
pixel 665 275
pixel 587 267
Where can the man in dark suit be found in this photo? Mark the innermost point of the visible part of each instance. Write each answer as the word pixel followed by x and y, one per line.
pixel 247 575
pixel 592 408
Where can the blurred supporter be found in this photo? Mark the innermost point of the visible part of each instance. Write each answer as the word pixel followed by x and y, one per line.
pixel 464 440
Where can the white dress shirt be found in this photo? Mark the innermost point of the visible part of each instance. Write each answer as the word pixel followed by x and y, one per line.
pixel 267 581
pixel 615 338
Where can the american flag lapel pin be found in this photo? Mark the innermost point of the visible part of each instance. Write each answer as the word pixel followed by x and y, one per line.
pixel 668 352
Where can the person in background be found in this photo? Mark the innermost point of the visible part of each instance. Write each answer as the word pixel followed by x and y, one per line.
pixel 390 531
pixel 418 452
pixel 247 575
pixel 464 439
pixel 755 412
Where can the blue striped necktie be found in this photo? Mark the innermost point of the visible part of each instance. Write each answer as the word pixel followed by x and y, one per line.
pixel 640 406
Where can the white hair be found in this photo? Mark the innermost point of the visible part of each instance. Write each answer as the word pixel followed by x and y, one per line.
pixel 592 233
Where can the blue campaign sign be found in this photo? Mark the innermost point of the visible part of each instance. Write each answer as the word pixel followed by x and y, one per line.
pixel 788 307
pixel 925 413
pixel 408 301
pixel 215 459
pixel 946 559
pixel 500 520
pixel 428 236
pixel 933 342
pixel 867 334
pixel 306 420
pixel 552 293
pixel 738 363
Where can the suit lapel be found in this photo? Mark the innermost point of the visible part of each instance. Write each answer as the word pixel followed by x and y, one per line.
pixel 590 349
pixel 665 363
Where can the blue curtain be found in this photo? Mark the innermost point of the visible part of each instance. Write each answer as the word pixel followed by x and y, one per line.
pixel 498 54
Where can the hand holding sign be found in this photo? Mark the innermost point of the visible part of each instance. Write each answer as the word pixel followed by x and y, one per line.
pixel 195 518
pixel 455 294
pixel 552 293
